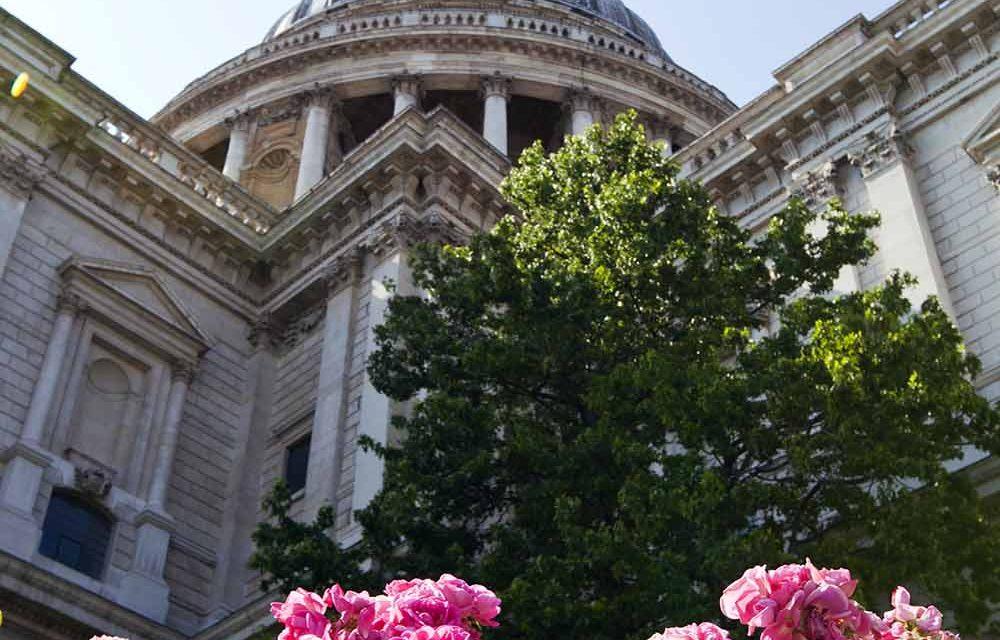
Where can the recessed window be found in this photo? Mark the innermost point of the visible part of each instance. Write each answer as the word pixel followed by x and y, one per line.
pixel 76 534
pixel 297 465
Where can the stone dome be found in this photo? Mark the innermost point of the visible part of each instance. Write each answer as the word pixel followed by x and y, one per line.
pixel 613 11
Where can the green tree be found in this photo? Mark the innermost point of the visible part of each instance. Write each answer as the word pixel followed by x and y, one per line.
pixel 603 430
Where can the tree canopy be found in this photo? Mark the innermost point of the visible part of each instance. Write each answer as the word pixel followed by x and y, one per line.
pixel 620 398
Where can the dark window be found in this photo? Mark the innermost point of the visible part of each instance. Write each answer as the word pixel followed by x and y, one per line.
pixel 297 464
pixel 76 534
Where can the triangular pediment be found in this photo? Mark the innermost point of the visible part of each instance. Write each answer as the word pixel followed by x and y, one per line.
pixel 984 142
pixel 140 287
pixel 411 139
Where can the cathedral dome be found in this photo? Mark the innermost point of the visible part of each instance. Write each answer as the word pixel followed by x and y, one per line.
pixel 613 11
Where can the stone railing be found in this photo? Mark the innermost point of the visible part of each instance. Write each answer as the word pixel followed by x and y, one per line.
pixel 906 15
pixel 191 170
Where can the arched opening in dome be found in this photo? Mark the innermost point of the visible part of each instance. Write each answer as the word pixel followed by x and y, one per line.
pixel 533 119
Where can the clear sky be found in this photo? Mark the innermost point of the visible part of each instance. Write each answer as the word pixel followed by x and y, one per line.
pixel 143 52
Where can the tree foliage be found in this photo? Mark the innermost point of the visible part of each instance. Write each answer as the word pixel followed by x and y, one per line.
pixel 608 424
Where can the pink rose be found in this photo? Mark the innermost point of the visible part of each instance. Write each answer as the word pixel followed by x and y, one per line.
pixel 929 620
pixel 703 631
pixel 901 608
pixel 474 602
pixel 423 603
pixel 786 580
pixel 303 614
pixel 828 599
pixel 840 578
pixel 739 600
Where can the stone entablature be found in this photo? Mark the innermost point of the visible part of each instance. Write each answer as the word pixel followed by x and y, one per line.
pixel 851 84
pixel 366 30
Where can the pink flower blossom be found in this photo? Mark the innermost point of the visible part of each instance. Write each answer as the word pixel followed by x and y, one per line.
pixel 740 600
pixel 303 614
pixel 473 602
pixel 703 631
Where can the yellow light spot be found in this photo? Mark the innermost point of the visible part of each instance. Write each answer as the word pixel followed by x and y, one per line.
pixel 20 85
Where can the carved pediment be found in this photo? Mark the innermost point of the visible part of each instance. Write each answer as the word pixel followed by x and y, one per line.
pixel 138 300
pixel 984 142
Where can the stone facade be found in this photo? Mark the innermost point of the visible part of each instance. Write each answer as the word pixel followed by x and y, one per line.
pixel 183 301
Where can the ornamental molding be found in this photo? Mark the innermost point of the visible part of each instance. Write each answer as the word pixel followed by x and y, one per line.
pixel 345 271
pixel 137 300
pixel 819 186
pixel 678 87
pixel 496 85
pixel 881 151
pixel 994 177
pixel 19 174
pixel 264 332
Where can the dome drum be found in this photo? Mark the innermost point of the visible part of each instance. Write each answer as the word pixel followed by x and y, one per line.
pixel 563 64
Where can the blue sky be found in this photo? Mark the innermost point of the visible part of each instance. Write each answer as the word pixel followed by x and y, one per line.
pixel 143 52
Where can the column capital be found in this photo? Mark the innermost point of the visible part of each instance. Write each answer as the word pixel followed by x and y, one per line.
pixel 240 120
pixel 321 96
pixel 344 271
pixel 495 85
pixel 18 173
pixel 71 303
pixel 183 371
pixel 264 332
pixel 407 83
pixel 581 99
pixel 818 186
pixel 881 151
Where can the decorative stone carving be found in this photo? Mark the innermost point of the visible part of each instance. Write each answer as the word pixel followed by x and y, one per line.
pixel 344 271
pixel 302 326
pixel 19 174
pixel 994 176
pixel 240 121
pixel 96 482
pixel 819 186
pixel 183 371
pixel 496 85
pixel 71 303
pixel 264 332
pixel 881 150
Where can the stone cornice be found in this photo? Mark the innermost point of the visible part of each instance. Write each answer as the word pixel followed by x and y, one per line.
pixel 866 67
pixel 676 86
pixel 18 173
pixel 80 606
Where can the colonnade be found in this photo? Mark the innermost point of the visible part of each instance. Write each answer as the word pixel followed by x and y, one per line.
pixel 323 122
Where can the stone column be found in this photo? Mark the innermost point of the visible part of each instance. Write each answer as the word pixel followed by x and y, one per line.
pixel 312 165
pixel 661 130
pixel 323 479
pixel 583 108
pixel 27 460
pixel 239 142
pixel 69 306
pixel 18 178
pixel 183 374
pixel 496 96
pixel 406 88
pixel 817 188
pixel 905 240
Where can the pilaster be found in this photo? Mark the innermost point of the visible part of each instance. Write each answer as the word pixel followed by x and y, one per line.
pixel 341 280
pixel 905 241
pixel 18 178
pixel 817 188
